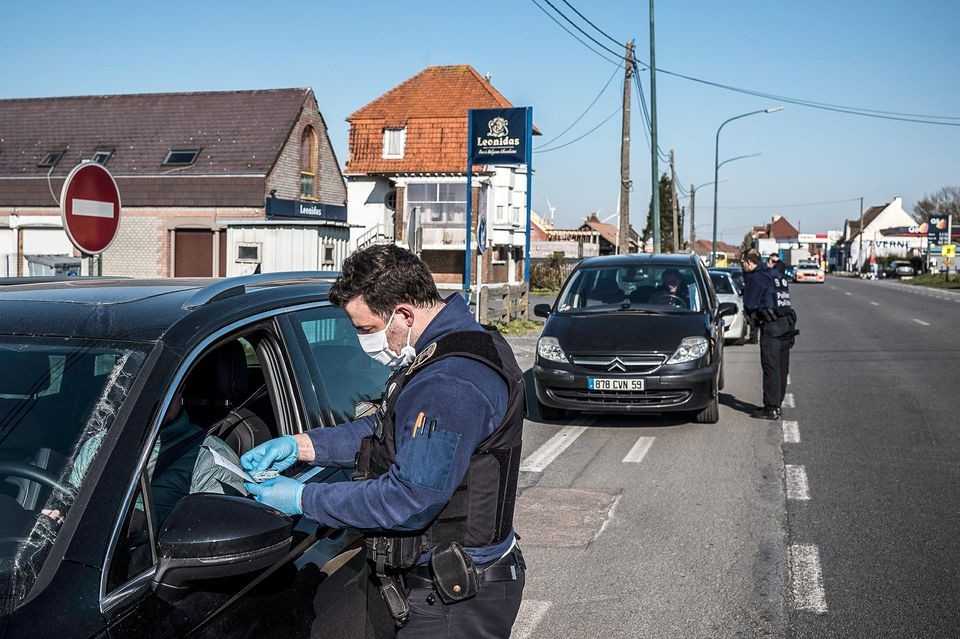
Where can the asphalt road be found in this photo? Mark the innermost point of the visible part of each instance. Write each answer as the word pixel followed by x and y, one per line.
pixel 842 521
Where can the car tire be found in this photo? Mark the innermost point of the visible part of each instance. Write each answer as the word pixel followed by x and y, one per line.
pixel 709 414
pixel 549 413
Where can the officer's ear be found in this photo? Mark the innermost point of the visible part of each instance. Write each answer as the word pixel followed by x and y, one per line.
pixel 405 314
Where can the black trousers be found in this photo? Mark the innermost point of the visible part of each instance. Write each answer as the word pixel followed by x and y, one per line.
pixel 489 615
pixel 775 364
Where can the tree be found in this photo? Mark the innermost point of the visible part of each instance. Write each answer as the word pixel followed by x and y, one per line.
pixel 946 201
pixel 667 244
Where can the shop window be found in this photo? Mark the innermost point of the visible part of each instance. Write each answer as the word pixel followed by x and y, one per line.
pixel 181 157
pixel 328 258
pixel 248 253
pixel 308 163
pixel 50 160
pixel 439 204
pixel 500 254
pixel 394 141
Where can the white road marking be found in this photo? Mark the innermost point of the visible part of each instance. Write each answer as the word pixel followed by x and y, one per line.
pixel 875 303
pixel 921 322
pixel 529 616
pixel 806 579
pixel 797 487
pixel 544 456
pixel 610 515
pixel 791 432
pixel 789 401
pixel 847 293
pixel 639 450
pixel 92 208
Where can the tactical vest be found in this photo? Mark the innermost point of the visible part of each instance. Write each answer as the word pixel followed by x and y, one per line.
pixel 781 290
pixel 480 512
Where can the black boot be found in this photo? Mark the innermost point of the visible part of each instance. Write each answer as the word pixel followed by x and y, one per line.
pixel 767 412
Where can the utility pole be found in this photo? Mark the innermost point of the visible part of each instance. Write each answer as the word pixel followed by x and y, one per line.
pixel 676 205
pixel 654 158
pixel 623 236
pixel 693 217
pixel 860 250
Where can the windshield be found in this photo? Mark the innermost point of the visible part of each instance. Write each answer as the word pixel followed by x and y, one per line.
pixel 644 287
pixel 57 399
pixel 721 284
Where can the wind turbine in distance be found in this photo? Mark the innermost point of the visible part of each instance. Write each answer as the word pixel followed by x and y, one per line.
pixel 553 211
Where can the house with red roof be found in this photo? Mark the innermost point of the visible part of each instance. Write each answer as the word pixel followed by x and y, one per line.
pixel 406 175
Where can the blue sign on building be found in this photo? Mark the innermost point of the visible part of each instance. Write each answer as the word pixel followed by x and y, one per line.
pixel 282 208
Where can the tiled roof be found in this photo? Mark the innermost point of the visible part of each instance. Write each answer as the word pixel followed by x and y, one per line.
pixel 780 228
pixel 704 247
pixel 609 232
pixel 871 214
pixel 238 132
pixel 432 106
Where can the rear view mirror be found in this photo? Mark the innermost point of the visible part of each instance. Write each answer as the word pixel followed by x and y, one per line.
pixel 209 536
pixel 727 309
pixel 542 310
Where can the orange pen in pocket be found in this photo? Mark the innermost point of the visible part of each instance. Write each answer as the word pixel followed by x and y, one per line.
pixel 418 424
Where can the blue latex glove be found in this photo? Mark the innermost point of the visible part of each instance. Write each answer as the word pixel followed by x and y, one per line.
pixel 277 454
pixel 281 493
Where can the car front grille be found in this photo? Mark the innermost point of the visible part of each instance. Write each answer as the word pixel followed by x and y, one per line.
pixel 651 398
pixel 641 364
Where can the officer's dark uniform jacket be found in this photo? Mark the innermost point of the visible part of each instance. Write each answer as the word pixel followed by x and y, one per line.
pixel 455 480
pixel 766 299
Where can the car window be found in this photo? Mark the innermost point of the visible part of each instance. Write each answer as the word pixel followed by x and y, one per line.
pixel 221 410
pixel 55 395
pixel 655 287
pixel 721 284
pixel 350 378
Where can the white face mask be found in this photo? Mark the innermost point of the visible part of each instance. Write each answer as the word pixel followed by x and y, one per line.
pixel 376 346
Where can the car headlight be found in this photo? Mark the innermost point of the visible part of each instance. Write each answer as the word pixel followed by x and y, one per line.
pixel 549 348
pixel 690 349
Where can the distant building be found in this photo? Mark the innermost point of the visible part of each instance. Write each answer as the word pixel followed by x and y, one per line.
pixel 211 183
pixel 407 163
pixel 725 252
pixel 888 231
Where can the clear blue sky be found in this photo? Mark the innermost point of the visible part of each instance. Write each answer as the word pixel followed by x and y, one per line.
pixel 880 54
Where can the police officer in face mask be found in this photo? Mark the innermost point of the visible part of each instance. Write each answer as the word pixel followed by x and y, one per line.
pixel 436 467
pixel 766 300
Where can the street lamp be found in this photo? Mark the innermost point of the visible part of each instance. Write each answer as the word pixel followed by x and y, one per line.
pixel 716 172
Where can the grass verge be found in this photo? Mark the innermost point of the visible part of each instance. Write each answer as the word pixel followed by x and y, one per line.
pixel 934 280
pixel 518 327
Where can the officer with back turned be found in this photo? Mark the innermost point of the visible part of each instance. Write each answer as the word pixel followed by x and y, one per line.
pixel 766 300
pixel 435 468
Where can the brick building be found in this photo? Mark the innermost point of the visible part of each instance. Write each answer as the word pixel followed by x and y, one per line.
pixel 408 161
pixel 211 183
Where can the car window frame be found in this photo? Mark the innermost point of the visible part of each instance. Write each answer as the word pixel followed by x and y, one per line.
pixel 133 587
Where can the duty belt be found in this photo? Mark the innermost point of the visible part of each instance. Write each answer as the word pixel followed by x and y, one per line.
pixel 506 569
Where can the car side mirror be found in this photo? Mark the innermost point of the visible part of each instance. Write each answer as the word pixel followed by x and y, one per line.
pixel 727 309
pixel 542 310
pixel 210 536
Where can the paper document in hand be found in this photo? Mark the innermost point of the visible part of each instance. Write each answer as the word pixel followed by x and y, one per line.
pixel 223 462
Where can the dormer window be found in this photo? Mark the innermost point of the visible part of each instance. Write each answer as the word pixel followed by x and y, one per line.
pixel 394 141
pixel 50 160
pixel 181 157
pixel 102 156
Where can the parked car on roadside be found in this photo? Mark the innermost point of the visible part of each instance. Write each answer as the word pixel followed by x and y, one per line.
pixel 633 334
pixel 807 272
pixel 735 327
pixel 898 268
pixel 113 520
pixel 736 272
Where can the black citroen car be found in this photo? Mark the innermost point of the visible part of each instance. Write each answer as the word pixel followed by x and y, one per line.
pixel 633 334
pixel 113 520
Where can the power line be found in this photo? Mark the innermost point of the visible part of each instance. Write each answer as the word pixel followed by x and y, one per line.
pixel 577 139
pixel 588 21
pixel 574 35
pixel 580 29
pixel 580 117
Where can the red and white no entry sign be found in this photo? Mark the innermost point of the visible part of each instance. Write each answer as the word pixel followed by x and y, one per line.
pixel 90 207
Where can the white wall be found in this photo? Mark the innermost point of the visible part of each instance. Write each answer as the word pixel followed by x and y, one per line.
pixel 365 206
pixel 892 216
pixel 286 248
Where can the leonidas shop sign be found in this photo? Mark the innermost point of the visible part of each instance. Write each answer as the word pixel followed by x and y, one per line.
pixel 277 207
pixel 498 136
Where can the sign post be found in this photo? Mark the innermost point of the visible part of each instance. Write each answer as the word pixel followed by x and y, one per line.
pixel 497 137
pixel 90 208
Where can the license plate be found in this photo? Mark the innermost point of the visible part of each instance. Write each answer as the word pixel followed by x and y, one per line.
pixel 614 384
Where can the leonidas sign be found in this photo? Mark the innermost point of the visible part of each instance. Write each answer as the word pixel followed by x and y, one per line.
pixel 498 136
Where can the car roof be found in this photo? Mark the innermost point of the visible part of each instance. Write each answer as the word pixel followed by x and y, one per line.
pixel 147 310
pixel 635 259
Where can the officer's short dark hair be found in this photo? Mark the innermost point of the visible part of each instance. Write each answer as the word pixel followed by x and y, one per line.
pixel 751 256
pixel 385 275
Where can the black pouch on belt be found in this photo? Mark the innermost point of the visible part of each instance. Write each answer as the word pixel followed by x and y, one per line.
pixel 454 575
